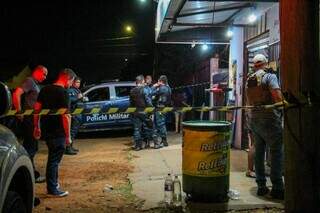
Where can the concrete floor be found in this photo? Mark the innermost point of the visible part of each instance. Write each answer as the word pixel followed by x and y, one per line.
pixel 151 166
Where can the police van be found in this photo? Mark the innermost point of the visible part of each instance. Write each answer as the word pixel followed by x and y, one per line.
pixel 111 94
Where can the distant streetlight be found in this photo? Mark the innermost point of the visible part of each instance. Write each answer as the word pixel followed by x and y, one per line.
pixel 128 29
pixel 142 1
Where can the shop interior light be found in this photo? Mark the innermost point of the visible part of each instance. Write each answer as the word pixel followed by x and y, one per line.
pixel 204 47
pixel 230 33
pixel 252 18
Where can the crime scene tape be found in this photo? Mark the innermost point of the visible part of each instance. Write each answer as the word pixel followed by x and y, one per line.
pixel 112 110
pixel 191 85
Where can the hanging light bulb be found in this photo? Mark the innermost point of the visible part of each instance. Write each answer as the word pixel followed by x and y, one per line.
pixel 252 18
pixel 229 33
pixel 204 47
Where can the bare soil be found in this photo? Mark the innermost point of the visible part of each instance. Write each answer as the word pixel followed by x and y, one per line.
pixel 101 163
pixel 97 179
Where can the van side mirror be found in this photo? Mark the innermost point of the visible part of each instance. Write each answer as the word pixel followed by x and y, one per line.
pixel 5 97
pixel 85 99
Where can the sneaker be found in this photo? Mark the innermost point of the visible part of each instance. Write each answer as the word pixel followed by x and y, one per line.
pixel 263 191
pixel 40 179
pixel 277 194
pixel 69 151
pixel 59 193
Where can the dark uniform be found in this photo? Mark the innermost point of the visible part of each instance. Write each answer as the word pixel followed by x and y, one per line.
pixel 163 99
pixel 140 99
pixel 266 127
pixel 148 133
pixel 76 119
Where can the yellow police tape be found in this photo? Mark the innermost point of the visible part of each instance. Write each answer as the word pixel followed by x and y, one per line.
pixel 112 110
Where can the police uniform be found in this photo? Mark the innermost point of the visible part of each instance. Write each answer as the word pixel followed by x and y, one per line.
pixel 163 99
pixel 266 128
pixel 139 98
pixel 76 119
pixel 149 133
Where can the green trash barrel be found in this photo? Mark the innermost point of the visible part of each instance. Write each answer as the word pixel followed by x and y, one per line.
pixel 206 160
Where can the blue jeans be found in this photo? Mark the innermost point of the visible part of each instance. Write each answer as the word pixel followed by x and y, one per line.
pixel 56 149
pixel 29 142
pixel 160 121
pixel 268 131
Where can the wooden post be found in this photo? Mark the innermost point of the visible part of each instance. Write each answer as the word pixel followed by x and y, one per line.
pixel 299 27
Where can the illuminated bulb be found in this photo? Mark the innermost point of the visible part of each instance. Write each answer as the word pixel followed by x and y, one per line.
pixel 205 47
pixel 252 18
pixel 128 28
pixel 230 33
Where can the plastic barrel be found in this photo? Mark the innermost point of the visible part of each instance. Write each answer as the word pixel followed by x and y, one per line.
pixel 206 160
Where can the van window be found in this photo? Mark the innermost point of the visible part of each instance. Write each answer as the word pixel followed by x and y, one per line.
pixel 123 91
pixel 99 94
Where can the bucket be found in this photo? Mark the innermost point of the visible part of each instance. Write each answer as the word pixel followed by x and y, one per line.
pixel 206 160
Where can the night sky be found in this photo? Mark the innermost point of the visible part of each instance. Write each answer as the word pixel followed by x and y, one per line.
pixel 82 35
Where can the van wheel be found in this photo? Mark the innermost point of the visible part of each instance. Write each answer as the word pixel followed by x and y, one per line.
pixel 13 203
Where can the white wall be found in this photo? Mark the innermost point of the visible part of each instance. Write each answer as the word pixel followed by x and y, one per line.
pixel 236 54
pixel 273 23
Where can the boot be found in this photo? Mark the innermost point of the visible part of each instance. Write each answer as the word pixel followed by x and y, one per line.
pixel 277 194
pixel 262 190
pixel 164 142
pixel 138 146
pixel 157 144
pixel 69 151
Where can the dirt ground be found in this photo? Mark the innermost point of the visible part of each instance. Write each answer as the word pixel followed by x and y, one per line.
pixel 88 176
pixel 96 178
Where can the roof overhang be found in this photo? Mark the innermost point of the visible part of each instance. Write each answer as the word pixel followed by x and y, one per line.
pixel 191 21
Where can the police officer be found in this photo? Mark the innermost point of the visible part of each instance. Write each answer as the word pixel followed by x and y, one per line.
pixel 263 88
pixel 148 132
pixel 162 93
pixel 75 96
pixel 140 99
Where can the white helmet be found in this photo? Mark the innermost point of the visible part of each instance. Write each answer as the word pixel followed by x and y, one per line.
pixel 259 59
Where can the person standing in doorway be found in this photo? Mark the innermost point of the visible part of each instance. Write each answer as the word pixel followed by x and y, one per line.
pixel 54 129
pixel 24 98
pixel 262 88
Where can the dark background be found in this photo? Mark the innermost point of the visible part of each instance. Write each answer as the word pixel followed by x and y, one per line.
pixel 89 37
pixel 82 35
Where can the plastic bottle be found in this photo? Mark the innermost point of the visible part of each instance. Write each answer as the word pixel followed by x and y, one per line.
pixel 176 191
pixel 168 190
